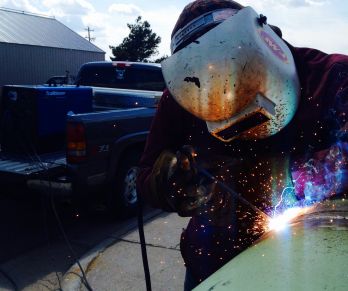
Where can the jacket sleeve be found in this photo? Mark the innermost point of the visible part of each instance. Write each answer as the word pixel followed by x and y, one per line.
pixel 166 135
pixel 325 173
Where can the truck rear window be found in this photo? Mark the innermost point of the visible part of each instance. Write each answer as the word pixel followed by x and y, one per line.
pixel 128 77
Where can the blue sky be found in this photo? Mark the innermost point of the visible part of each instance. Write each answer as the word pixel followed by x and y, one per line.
pixel 322 24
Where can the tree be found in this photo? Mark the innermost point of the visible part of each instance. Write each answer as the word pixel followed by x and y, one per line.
pixel 139 45
pixel 162 58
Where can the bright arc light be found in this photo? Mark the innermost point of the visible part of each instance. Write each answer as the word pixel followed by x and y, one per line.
pixel 279 222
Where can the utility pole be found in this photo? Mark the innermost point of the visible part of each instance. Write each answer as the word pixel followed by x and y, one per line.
pixel 90 39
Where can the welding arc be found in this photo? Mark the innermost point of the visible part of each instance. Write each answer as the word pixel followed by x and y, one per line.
pixel 232 192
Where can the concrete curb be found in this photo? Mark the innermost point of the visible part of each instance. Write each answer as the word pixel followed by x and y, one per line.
pixel 72 279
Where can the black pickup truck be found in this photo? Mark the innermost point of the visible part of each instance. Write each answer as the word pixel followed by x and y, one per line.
pixel 82 139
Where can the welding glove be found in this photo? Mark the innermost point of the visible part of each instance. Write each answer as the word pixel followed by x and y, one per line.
pixel 177 182
pixel 189 193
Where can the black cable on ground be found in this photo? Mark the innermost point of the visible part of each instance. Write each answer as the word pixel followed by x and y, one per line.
pixel 13 283
pixel 143 244
pixel 36 159
pixel 43 202
pixel 60 225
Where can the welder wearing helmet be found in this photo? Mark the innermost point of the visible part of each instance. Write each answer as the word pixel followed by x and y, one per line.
pixel 254 111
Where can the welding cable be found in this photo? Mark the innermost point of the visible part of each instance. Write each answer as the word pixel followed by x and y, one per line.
pixel 60 224
pixel 37 159
pixel 13 283
pixel 33 160
pixel 44 203
pixel 143 244
pixel 47 236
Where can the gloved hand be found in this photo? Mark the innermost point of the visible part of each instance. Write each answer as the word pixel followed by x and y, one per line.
pixel 194 194
pixel 177 184
pixel 188 192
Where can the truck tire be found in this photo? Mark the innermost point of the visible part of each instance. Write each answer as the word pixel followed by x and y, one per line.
pixel 122 198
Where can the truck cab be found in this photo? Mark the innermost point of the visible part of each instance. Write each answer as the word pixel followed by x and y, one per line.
pixel 122 75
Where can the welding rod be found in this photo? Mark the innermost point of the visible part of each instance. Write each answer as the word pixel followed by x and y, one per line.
pixel 232 192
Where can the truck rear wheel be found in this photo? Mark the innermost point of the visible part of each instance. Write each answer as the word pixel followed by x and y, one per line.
pixel 122 200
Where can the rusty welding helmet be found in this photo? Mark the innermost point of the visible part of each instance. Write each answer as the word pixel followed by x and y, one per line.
pixel 232 70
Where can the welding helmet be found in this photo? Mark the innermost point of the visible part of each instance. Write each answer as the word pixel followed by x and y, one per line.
pixel 231 69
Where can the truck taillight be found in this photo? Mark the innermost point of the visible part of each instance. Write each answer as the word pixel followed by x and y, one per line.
pixel 76 143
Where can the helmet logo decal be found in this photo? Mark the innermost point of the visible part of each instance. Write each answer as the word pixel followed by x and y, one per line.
pixel 275 48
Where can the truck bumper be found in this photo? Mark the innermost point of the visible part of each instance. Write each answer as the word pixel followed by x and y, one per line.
pixel 61 187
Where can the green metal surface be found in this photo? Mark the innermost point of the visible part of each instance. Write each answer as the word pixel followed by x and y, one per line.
pixel 310 254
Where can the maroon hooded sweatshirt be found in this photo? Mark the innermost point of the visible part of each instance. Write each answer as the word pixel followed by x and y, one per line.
pixel 260 166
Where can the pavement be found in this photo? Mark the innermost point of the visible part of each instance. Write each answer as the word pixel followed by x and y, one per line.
pixel 116 264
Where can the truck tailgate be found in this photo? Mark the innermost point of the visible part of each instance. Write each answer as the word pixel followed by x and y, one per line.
pixel 19 167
